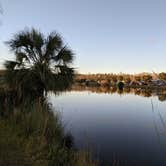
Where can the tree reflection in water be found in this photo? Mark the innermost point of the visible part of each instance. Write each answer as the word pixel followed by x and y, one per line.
pixel 161 94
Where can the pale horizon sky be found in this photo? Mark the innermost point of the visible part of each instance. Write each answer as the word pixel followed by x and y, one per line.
pixel 107 36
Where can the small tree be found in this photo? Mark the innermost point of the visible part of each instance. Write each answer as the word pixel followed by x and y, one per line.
pixel 146 78
pixel 127 79
pixel 162 76
pixel 137 78
pixel 120 78
pixel 114 79
pixel 41 63
pixel 1 9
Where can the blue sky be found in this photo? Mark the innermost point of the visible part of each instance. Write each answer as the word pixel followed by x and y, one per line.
pixel 106 35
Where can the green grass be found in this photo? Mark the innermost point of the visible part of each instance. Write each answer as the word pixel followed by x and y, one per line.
pixel 34 136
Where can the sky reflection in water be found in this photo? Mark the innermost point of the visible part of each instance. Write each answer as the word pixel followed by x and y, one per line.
pixel 116 127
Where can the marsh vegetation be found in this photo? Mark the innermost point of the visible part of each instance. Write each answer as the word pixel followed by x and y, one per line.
pixel 31 133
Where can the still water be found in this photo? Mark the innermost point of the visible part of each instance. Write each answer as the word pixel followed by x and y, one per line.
pixel 127 128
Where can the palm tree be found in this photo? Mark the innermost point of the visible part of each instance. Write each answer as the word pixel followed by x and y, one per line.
pixel 41 63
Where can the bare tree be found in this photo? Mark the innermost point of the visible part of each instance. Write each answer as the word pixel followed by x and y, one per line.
pixel 1 9
pixel 1 12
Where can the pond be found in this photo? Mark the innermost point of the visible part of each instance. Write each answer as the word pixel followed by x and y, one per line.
pixel 125 128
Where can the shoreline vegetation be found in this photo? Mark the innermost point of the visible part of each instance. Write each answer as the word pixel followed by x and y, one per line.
pixel 32 133
pixel 143 80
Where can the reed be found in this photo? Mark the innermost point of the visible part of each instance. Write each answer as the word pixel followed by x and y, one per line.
pixel 34 135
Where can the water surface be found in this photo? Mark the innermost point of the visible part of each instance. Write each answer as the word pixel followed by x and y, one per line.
pixel 128 128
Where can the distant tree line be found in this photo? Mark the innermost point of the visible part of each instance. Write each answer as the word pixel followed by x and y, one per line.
pixel 126 78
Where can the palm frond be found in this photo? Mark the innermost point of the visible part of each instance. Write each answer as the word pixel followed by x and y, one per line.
pixel 65 56
pixel 38 40
pixel 11 65
pixel 21 39
pixel 53 44
pixel 20 57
